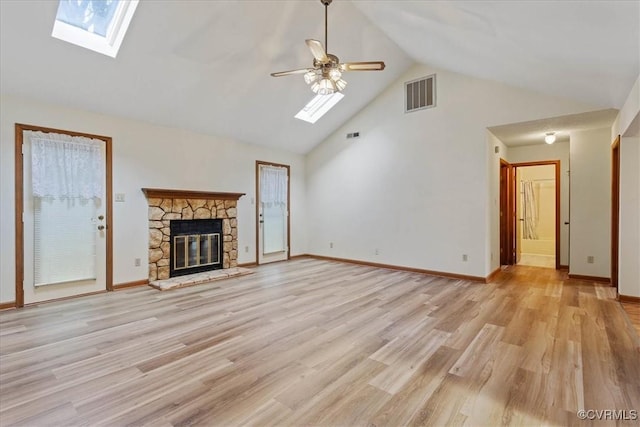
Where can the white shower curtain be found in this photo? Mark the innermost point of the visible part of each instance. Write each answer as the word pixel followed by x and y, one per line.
pixel 529 211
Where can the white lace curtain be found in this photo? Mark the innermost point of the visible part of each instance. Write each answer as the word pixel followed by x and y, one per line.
pixel 273 186
pixel 64 166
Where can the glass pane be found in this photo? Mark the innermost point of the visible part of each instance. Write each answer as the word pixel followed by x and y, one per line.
pixel 215 248
pixel 193 251
pixel 274 228
pixel 179 252
pixel 93 16
pixel 65 237
pixel 204 249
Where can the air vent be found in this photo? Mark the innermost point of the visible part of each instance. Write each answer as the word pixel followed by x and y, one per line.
pixel 353 135
pixel 420 93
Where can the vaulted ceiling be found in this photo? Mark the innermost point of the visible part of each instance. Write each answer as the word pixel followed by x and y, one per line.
pixel 204 65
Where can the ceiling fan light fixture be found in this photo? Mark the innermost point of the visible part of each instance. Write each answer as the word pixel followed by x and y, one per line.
pixel 341 84
pixel 324 87
pixel 335 74
pixel 310 77
pixel 550 137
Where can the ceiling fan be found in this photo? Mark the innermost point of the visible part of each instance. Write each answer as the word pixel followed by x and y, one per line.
pixel 325 77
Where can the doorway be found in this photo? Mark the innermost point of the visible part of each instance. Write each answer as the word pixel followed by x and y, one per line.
pixel 272 212
pixel 530 213
pixel 63 198
pixel 536 215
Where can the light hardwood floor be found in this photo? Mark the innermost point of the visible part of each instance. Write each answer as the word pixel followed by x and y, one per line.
pixel 312 342
pixel 633 312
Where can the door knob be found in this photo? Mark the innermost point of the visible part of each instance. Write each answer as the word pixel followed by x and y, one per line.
pixel 101 227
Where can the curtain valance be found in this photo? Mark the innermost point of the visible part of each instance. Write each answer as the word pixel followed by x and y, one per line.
pixel 64 166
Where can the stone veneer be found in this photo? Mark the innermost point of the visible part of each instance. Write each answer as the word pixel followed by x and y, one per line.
pixel 171 207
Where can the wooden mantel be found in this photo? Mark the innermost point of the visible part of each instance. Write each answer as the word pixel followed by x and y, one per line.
pixel 163 193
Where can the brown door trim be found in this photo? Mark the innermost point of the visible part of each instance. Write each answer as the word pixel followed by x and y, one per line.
pixel 258 163
pixel 19 197
pixel 615 210
pixel 506 214
pixel 556 163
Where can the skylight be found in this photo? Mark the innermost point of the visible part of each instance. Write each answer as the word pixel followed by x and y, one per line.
pixel 318 106
pixel 99 25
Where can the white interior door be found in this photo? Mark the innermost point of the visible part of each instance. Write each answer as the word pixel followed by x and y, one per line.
pixel 273 213
pixel 64 235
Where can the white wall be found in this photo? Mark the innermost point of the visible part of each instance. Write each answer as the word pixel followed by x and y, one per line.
pixel 590 152
pixel 628 113
pixel 627 124
pixel 557 151
pixel 629 248
pixel 417 186
pixel 146 155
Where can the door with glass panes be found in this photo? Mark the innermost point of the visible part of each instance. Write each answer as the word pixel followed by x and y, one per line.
pixel 272 212
pixel 65 208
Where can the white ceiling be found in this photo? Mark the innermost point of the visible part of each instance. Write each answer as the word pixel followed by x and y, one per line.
pixel 533 132
pixel 204 65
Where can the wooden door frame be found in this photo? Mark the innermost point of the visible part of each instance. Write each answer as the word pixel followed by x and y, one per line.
pixel 19 205
pixel 615 210
pixel 263 163
pixel 506 217
pixel 514 199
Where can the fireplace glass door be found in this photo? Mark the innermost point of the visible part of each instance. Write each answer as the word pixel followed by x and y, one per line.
pixel 196 250
pixel 195 246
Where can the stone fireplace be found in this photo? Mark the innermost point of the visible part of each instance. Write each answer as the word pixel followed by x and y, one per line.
pixel 167 206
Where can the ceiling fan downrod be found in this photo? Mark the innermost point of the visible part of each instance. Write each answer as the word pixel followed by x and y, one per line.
pixel 326 4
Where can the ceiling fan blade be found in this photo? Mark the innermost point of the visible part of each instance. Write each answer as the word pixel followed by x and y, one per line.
pixel 363 66
pixel 288 73
pixel 317 50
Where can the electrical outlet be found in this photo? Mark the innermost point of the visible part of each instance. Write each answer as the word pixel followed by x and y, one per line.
pixel 136 262
pixel 331 245
pixel 119 197
pixel 246 249
pixel 465 257
pixel 377 251
pixel 590 259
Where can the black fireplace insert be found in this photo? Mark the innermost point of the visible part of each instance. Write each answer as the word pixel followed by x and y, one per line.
pixel 195 246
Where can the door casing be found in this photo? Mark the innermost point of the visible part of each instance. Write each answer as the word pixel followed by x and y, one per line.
pixel 19 204
pixel 511 199
pixel 506 214
pixel 615 211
